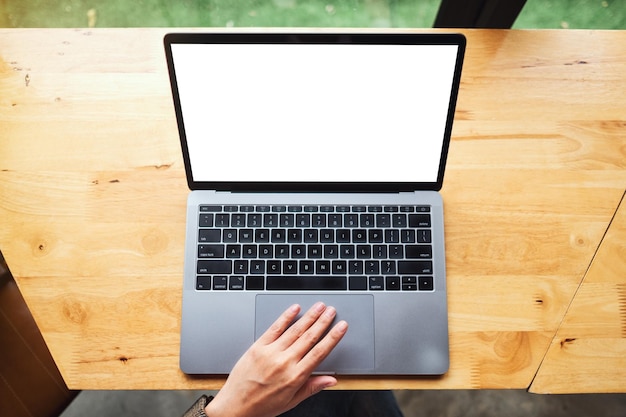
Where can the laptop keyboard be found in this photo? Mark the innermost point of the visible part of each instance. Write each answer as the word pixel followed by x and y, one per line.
pixel 321 248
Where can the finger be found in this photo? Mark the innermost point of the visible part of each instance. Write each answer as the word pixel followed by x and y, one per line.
pixel 313 335
pixel 312 386
pixel 296 330
pixel 280 325
pixel 321 350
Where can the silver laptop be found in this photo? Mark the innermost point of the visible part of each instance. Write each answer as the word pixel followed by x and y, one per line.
pixel 314 163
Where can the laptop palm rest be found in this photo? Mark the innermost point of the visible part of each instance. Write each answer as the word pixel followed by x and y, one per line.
pixel 355 352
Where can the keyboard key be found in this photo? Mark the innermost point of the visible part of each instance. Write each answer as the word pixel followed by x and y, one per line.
pixel 306 282
pixel 375 236
pixel 235 283
pixel 241 267
pixel 327 236
pixel 367 220
pixel 294 235
pixel 322 267
pixel 220 283
pixel 315 251
pixel 318 220
pixel 222 220
pixel 274 267
pixel 415 267
pixel 399 220
pixel 355 267
pixel 279 235
pixel 376 283
pixel 358 283
pixel 423 236
pixel 203 283
pixel 209 235
pixel 298 251
pixel 419 220
pixel 246 236
pixel 388 267
pixel 206 220
pixel 339 268
pixel 396 251
pixel 281 251
pixel 254 220
pixel 372 267
pixel 204 209
pixel 230 236
pixel 257 267
pixel 335 220
pixel 287 220
pixel 425 283
pixel 359 236
pixel 262 235
pixel 250 251
pixel 208 267
pixel 210 251
pixel 392 283
pixel 233 251
pixel 392 236
pixel 303 220
pixel 255 283
pixel 238 220
pixel 383 220
pixel 346 251
pixel 419 251
pixel 407 236
pixel 409 283
pixel 270 220
pixel 331 251
pixel 363 251
pixel 351 220
pixel 290 267
pixel 307 267
pixel 311 235
pixel 266 251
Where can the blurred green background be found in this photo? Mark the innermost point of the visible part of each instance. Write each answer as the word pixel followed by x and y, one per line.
pixel 573 14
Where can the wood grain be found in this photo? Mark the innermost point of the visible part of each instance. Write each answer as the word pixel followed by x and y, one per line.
pixel 588 353
pixel 93 194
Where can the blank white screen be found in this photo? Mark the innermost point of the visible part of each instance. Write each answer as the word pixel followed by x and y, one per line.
pixel 302 112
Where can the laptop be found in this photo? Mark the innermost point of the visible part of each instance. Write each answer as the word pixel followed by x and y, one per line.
pixel 314 162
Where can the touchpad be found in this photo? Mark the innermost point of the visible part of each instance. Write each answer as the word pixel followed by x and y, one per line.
pixel 355 352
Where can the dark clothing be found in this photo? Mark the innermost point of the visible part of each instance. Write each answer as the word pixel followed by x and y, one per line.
pixel 347 404
pixel 331 404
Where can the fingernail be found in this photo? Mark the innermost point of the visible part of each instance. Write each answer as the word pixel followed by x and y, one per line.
pixel 330 311
pixel 319 307
pixel 342 326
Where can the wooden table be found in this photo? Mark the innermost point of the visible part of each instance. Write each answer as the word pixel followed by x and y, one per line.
pixel 93 192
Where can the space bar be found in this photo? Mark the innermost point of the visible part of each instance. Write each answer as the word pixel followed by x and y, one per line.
pixel 307 282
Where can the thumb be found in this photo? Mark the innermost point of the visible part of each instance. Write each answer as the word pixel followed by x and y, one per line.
pixel 314 385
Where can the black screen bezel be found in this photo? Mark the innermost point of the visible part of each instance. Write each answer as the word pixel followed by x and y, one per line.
pixel 316 38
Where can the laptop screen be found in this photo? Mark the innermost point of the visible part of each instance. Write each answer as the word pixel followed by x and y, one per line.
pixel 315 112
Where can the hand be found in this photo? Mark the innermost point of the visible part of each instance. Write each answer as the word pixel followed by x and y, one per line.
pixel 274 375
